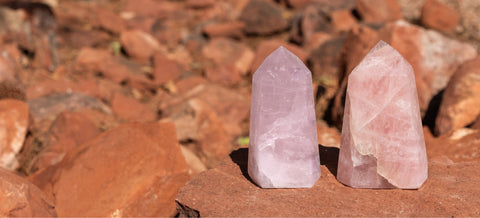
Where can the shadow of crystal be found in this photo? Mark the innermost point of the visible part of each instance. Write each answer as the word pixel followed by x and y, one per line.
pixel 328 157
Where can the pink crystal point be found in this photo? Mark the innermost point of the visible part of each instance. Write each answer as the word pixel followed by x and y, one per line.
pixel 283 150
pixel 382 138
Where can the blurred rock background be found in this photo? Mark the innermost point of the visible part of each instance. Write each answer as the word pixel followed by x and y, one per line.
pixel 107 108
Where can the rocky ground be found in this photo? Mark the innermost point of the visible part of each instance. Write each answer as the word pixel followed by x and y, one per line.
pixel 109 108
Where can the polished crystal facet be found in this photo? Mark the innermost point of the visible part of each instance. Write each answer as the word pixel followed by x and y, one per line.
pixel 283 150
pixel 382 138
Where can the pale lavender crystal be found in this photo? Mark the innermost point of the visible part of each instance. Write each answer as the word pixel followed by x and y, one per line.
pixel 283 150
pixel 382 137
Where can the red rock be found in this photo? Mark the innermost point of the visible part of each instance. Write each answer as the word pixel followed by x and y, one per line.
pixel 130 109
pixel 229 29
pixel 316 40
pixel 167 32
pixel 144 24
pixel 196 121
pixel 10 86
pixel 298 3
pixel 89 87
pixel 14 119
pixel 140 45
pixel 268 46
pixel 342 20
pixel 102 63
pixel 227 52
pixel 313 19
pixel 209 115
pixel 150 8
pixel 372 11
pixel 6 70
pixel 91 59
pixel 21 198
pixel 115 69
pixel 199 4
pixel 262 18
pixel 48 87
pixel 460 145
pixel 194 163
pixel 211 194
pixel 68 131
pixel 134 170
pixel 439 16
pixel 461 99
pixel 76 38
pixel 185 85
pixel 110 21
pixel 12 89
pixel 165 69
pixel 45 108
pixel 476 123
pixel 433 67
pixel 223 75
pixel 232 106
pixel 328 136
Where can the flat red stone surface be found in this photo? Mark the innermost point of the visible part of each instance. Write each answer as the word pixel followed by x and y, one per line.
pixel 450 190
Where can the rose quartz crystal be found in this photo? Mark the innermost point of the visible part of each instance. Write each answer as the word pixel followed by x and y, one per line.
pixel 382 138
pixel 283 150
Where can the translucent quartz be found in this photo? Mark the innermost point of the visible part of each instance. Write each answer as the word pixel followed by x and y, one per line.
pixel 382 137
pixel 283 150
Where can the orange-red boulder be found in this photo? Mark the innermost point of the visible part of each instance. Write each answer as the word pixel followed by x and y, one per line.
pixel 451 190
pixel 132 170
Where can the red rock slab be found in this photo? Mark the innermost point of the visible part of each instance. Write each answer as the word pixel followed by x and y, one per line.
pixel 20 198
pixel 132 170
pixel 461 145
pixel 451 190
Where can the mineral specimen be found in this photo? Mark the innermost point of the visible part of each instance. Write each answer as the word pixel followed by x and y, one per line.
pixel 283 150
pixel 382 139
